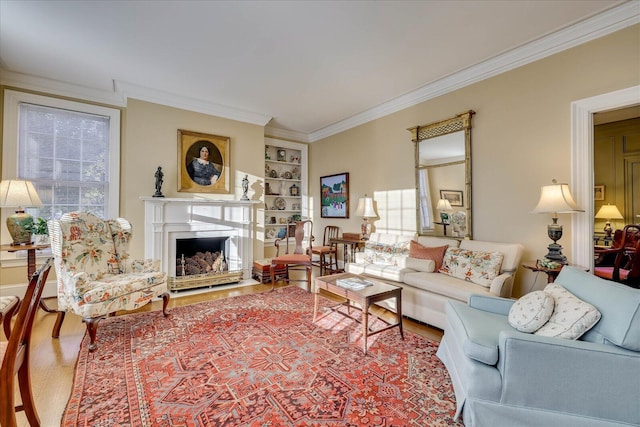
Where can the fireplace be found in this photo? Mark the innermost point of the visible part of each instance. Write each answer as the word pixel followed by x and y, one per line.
pixel 200 242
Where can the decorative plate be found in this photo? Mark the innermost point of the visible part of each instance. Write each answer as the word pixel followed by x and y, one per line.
pixel 281 204
pixel 287 175
pixel 273 173
pixel 271 233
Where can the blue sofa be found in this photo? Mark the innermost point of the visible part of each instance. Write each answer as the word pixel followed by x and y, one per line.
pixel 503 377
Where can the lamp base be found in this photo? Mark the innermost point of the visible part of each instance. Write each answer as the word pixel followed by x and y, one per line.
pixel 19 225
pixel 365 229
pixel 555 253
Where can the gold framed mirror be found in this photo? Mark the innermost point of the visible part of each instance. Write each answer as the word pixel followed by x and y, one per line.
pixel 443 177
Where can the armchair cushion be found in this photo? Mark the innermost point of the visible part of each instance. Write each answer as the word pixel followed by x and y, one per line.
pixel 571 316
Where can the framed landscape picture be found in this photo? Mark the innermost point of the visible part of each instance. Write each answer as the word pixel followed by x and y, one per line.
pixel 334 196
pixel 203 162
pixel 453 196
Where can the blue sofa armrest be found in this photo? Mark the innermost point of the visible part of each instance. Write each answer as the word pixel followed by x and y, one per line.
pixel 554 374
pixel 491 304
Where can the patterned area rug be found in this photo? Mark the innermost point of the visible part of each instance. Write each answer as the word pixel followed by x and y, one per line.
pixel 256 360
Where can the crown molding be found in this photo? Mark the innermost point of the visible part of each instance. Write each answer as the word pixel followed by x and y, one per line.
pixel 59 88
pixel 286 134
pixel 592 28
pixel 130 90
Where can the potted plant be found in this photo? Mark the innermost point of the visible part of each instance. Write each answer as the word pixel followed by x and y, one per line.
pixel 40 232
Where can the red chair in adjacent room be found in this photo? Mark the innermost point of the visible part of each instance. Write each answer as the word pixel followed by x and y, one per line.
pixel 15 355
pixel 626 267
pixel 295 255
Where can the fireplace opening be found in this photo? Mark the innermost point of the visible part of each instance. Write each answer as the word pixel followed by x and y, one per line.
pixel 201 255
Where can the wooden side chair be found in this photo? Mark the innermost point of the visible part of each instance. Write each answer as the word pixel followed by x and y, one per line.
pixel 15 354
pixel 8 307
pixel 327 250
pixel 294 255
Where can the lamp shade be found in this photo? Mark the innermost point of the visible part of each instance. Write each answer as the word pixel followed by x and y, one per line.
pixel 556 198
pixel 16 193
pixel 365 208
pixel 443 205
pixel 609 212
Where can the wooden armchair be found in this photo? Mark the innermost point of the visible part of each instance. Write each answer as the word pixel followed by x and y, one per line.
pixel 95 276
pixel 15 355
pixel 292 253
pixel 626 266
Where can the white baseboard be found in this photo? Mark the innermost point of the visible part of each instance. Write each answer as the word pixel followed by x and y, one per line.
pixel 21 289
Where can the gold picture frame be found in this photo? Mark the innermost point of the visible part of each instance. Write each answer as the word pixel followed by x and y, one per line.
pixel 203 162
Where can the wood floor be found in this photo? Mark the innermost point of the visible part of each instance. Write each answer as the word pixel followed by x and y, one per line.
pixel 53 360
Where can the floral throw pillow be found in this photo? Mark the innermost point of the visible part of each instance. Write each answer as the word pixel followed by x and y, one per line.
pixel 571 316
pixel 531 311
pixel 436 254
pixel 478 267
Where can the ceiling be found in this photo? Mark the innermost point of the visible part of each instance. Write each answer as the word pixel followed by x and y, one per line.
pixel 306 69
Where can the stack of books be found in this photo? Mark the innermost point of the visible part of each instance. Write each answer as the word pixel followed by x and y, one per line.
pixel 354 283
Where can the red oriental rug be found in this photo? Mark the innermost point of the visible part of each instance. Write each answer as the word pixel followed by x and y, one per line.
pixel 256 360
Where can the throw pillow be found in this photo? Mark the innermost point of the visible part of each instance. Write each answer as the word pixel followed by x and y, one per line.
pixel 424 265
pixel 571 316
pixel 436 254
pixel 478 267
pixel 531 311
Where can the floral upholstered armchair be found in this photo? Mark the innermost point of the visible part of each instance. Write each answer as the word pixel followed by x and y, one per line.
pixel 94 273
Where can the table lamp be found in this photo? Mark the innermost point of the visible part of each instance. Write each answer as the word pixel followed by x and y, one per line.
pixel 608 212
pixel 365 210
pixel 19 194
pixel 555 199
pixel 444 205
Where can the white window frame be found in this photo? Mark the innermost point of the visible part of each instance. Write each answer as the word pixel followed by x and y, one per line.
pixel 12 100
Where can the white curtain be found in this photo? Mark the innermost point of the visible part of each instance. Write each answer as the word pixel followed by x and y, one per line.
pixel 426 211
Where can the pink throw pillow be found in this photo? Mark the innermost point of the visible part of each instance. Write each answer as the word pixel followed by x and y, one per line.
pixel 436 254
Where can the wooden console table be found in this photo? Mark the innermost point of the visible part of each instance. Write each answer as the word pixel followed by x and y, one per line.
pixel 31 264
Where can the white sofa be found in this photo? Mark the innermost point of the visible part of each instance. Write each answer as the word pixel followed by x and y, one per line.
pixel 425 294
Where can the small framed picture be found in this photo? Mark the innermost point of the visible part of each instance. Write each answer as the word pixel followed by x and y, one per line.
pixel 598 192
pixel 334 199
pixel 453 196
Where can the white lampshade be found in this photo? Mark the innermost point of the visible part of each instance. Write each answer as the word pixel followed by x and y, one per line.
pixel 556 198
pixel 443 205
pixel 365 208
pixel 16 193
pixel 609 212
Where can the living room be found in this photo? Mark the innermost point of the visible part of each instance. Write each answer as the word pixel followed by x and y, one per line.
pixel 523 136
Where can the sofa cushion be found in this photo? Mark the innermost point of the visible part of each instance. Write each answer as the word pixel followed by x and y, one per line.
pixel 387 249
pixel 531 311
pixel 479 267
pixel 416 250
pixel 441 284
pixel 619 305
pixel 383 271
pixel 571 316
pixel 477 330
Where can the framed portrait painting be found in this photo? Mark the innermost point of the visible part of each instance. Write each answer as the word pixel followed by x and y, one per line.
pixel 334 196
pixel 453 196
pixel 203 162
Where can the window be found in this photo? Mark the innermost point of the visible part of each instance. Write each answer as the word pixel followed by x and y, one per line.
pixel 69 150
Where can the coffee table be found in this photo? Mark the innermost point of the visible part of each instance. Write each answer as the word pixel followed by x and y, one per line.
pixel 379 291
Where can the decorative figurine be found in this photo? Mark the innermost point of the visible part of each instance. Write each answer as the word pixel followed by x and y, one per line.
pixel 159 175
pixel 245 187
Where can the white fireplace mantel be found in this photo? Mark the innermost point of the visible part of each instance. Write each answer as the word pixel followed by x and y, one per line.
pixel 166 218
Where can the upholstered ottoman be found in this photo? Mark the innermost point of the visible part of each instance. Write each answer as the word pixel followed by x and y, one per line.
pixel 262 271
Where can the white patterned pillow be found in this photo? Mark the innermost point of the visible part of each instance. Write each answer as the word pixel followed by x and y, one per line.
pixel 473 266
pixel 571 316
pixel 531 311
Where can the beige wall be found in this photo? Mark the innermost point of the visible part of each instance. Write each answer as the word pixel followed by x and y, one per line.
pixel 520 141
